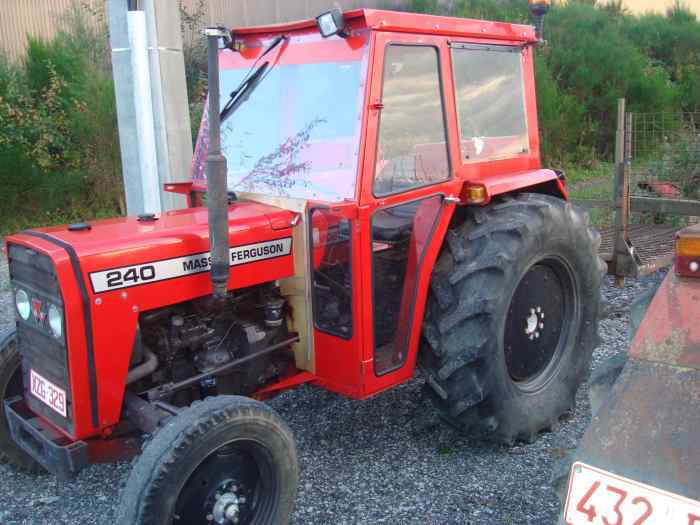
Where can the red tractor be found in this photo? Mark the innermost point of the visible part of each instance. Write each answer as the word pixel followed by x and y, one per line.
pixel 374 203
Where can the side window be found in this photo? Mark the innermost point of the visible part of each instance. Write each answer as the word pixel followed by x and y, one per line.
pixel 400 235
pixel 412 144
pixel 490 101
pixel 331 272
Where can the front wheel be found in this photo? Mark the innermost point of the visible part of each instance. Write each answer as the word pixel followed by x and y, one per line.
pixel 11 385
pixel 511 319
pixel 228 460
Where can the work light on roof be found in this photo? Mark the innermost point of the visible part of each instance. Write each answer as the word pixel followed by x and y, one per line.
pixel 538 8
pixel 331 23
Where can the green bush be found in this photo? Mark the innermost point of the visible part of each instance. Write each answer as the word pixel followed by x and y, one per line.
pixel 596 63
pixel 59 149
pixel 564 126
pixel 596 53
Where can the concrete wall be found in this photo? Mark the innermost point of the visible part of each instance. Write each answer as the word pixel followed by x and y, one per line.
pixel 44 17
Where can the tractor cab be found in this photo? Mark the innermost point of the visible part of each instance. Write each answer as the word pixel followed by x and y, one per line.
pixel 373 125
pixel 392 102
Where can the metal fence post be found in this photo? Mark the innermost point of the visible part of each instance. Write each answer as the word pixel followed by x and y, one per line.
pixel 624 262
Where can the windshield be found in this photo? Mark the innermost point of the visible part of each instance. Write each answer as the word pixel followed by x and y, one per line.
pixel 298 134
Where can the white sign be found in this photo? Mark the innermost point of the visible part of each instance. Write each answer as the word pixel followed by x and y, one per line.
pixel 151 272
pixel 597 497
pixel 47 392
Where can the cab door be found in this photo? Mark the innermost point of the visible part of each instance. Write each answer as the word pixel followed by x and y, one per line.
pixel 335 284
pixel 407 197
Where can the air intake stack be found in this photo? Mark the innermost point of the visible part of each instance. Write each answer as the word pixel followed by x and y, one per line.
pixel 217 187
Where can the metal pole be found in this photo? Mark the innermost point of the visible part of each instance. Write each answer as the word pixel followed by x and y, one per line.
pixel 217 190
pixel 626 174
pixel 145 128
pixel 624 261
pixel 171 115
pixel 618 192
pixel 126 112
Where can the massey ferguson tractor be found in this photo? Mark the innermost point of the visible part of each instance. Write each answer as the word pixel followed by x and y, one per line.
pixel 373 203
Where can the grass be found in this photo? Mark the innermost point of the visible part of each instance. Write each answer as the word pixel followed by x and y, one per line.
pixel 578 175
pixel 593 183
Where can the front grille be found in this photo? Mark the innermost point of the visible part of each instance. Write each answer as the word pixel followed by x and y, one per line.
pixel 40 351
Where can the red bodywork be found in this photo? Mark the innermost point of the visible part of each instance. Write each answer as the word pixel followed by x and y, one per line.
pixel 114 314
pixel 344 365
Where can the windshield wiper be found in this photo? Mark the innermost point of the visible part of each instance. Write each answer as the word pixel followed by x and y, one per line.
pixel 243 91
pixel 250 81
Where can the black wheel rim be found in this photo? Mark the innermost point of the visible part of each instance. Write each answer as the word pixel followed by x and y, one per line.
pixel 541 320
pixel 234 485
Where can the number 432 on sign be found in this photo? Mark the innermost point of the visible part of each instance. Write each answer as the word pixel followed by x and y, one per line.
pixel 602 498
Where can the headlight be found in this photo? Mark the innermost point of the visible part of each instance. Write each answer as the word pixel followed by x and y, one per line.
pixel 22 303
pixel 55 321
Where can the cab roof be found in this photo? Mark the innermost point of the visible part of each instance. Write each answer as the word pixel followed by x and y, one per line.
pixel 379 20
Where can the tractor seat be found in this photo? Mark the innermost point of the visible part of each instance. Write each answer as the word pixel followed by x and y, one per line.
pixel 394 225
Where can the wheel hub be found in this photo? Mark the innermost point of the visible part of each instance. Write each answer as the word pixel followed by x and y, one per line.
pixel 534 323
pixel 538 322
pixel 227 508
pixel 221 491
pixel 229 504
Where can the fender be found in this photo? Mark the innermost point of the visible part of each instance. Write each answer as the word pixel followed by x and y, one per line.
pixel 546 181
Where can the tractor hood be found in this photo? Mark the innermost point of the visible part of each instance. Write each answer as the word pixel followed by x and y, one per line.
pixel 155 254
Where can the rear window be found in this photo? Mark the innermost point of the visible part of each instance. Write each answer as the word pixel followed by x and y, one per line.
pixel 490 101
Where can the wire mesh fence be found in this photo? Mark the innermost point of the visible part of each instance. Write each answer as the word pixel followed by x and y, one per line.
pixel 665 162
pixel 665 156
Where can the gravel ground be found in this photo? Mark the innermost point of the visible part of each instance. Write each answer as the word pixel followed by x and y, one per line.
pixel 384 460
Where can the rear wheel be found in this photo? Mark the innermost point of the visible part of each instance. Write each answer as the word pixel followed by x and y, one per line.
pixel 228 460
pixel 511 319
pixel 10 386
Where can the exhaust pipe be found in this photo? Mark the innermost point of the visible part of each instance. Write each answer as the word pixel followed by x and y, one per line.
pixel 217 188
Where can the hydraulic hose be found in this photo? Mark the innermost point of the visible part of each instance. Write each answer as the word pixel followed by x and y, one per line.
pixel 148 366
